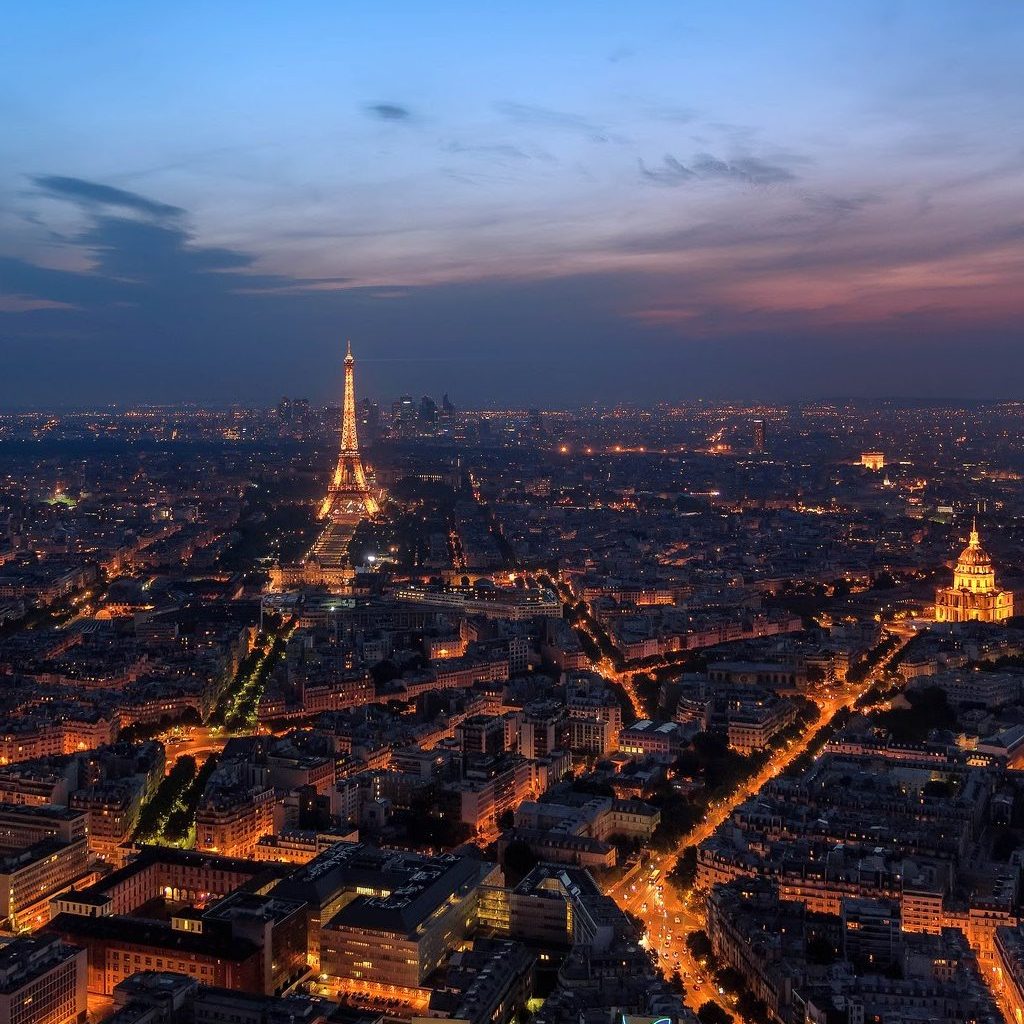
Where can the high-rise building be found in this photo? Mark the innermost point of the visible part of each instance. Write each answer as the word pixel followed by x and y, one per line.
pixel 403 416
pixel 293 410
pixel 481 734
pixel 232 818
pixel 759 435
pixel 369 421
pixel 428 411
pixel 43 850
pixel 42 981
pixel 384 916
pixel 543 729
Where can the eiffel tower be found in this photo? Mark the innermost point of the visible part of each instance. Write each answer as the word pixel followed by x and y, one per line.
pixel 348 495
pixel 348 502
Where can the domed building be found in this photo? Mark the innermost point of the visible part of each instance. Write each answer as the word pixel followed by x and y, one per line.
pixel 973 596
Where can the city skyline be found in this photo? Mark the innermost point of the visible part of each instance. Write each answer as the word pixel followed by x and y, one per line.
pixel 512 513
pixel 521 697
pixel 785 204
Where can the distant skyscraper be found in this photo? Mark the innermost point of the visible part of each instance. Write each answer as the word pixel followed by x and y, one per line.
pixel 536 423
pixel 428 410
pixel 293 410
pixel 759 435
pixel 447 415
pixel 403 416
pixel 369 422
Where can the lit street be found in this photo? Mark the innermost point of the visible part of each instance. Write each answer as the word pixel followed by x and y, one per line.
pixel 668 919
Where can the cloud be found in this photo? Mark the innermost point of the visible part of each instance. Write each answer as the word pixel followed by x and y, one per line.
pixel 136 250
pixel 388 111
pixel 748 170
pixel 91 193
pixel 148 263
pixel 671 172
pixel 839 206
pixel 23 304
pixel 544 117
pixel 498 151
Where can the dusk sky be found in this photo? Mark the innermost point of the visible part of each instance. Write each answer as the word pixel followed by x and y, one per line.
pixel 533 203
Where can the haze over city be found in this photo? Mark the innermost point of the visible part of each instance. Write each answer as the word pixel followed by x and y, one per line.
pixel 758 200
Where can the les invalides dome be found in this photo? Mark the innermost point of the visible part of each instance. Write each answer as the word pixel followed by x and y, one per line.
pixel 973 595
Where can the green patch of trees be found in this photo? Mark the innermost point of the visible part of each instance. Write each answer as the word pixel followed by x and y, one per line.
pixel 928 710
pixel 800 764
pixel 699 945
pixel 712 1013
pixel 182 818
pixel 751 1008
pixel 156 812
pixel 684 873
pixel 518 862
pixel 859 672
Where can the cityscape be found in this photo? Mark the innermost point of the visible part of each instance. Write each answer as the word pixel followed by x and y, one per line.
pixel 512 514
pixel 400 712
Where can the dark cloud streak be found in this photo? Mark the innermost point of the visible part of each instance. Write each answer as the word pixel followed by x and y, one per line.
pixel 839 206
pixel 90 193
pixel 748 170
pixel 558 120
pixel 671 172
pixel 388 111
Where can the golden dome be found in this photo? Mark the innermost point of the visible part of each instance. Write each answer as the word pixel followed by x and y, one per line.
pixel 974 555
pixel 973 597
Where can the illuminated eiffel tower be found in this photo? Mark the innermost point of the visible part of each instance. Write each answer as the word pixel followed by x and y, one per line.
pixel 348 494
pixel 349 500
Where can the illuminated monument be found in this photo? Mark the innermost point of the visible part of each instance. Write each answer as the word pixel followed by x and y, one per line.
pixel 349 500
pixel 348 494
pixel 973 595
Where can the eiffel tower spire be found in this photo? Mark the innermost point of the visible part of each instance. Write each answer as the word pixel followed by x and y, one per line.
pixel 349 440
